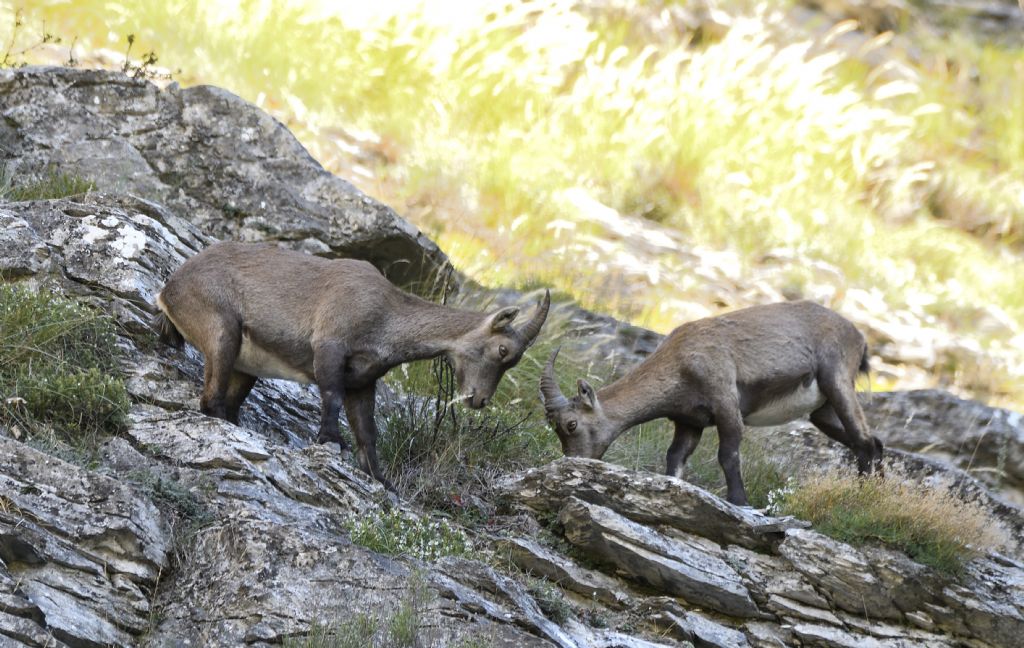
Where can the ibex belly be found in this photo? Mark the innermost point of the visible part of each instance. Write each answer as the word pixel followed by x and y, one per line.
pixel 803 400
pixel 258 361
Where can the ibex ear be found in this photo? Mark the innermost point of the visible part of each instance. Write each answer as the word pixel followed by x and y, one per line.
pixel 587 393
pixel 503 318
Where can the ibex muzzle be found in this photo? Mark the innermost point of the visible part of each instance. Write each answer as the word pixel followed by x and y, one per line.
pixel 259 311
pixel 759 366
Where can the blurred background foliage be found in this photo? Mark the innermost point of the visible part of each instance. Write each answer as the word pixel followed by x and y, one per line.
pixel 657 160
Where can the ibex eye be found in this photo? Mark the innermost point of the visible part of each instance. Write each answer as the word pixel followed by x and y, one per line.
pixel 502 350
pixel 572 426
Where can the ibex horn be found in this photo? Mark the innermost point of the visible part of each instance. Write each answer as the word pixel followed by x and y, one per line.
pixel 550 393
pixel 531 329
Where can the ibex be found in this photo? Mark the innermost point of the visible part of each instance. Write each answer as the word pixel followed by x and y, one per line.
pixel 760 366
pixel 259 311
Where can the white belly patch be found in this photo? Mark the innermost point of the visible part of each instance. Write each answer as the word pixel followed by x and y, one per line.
pixel 803 400
pixel 257 361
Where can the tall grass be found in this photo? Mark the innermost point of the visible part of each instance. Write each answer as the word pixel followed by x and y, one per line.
pixel 59 371
pixel 931 524
pixel 505 129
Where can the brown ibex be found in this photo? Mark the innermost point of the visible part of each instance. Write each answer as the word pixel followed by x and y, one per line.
pixel 259 311
pixel 760 366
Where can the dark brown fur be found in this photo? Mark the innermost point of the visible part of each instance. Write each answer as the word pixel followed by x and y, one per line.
pixel 719 371
pixel 256 310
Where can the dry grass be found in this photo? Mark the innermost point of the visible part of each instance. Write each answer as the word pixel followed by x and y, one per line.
pixel 930 523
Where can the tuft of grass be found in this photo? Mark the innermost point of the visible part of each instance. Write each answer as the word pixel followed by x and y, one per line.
pixel 59 367
pixel 929 523
pixel 398 534
pixel 54 184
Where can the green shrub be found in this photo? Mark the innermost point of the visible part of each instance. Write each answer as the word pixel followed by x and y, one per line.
pixel 930 523
pixel 444 455
pixel 397 534
pixel 59 366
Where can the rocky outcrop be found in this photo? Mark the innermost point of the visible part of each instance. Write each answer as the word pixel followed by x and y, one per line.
pixel 795 585
pixel 205 155
pixel 89 559
pixel 642 497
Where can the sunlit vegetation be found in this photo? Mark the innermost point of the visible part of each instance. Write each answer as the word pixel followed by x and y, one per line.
pixel 532 139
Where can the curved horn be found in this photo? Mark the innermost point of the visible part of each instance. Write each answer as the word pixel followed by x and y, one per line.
pixel 531 329
pixel 550 393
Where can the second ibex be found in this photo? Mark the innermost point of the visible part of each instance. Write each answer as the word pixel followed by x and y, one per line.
pixel 258 311
pixel 760 366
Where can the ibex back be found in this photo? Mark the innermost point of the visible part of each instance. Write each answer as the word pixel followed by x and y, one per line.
pixel 259 311
pixel 759 366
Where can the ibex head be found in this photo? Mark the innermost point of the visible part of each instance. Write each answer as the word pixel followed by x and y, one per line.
pixel 481 357
pixel 579 422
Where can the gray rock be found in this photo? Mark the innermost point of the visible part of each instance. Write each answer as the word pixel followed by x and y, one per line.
pixel 701 631
pixel 985 441
pixel 840 571
pixel 763 634
pixel 79 552
pixel 525 611
pixel 646 498
pixel 986 602
pixel 538 560
pixel 207 155
pixel 768 577
pixel 651 558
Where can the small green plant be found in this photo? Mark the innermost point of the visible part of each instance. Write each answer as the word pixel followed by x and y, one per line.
pixel 551 599
pixel 173 496
pixel 930 523
pixel 59 367
pixel 398 534
pixel 54 184
pixel 360 631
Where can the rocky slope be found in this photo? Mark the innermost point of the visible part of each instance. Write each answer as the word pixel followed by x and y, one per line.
pixel 95 556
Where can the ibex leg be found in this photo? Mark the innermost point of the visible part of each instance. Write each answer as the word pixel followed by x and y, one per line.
pixel 329 370
pixel 239 386
pixel 730 432
pixel 842 419
pixel 225 339
pixel 359 405
pixel 683 444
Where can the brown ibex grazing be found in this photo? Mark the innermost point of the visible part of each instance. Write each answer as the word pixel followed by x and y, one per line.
pixel 259 311
pixel 760 366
